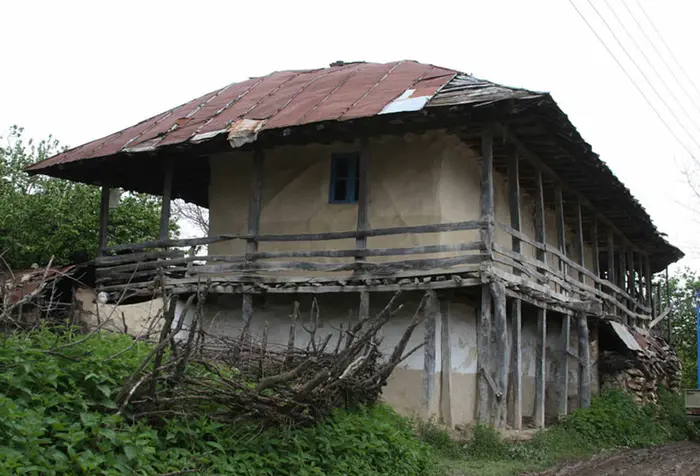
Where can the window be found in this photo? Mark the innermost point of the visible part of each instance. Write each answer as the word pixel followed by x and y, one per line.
pixel 345 185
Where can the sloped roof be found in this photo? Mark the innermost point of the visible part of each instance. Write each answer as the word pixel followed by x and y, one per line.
pixel 278 100
pixel 387 97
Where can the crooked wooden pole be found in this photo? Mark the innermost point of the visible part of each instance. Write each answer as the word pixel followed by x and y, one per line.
pixel 104 219
pixel 363 216
pixel 612 274
pixel 584 355
pixel 540 367
pixel 563 401
pixel 254 211
pixel 514 199
pixel 484 325
pixel 580 243
pixel 165 204
pixel 502 353
pixel 516 320
pixel 429 317
pixel 561 234
pixel 596 250
pixel 540 220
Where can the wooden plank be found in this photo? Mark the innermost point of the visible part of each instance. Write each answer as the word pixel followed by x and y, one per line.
pixel 487 193
pixel 165 204
pixel 104 219
pixel 580 241
pixel 502 352
pixel 584 355
pixel 514 198
pixel 596 251
pixel 516 320
pixel 342 235
pixel 561 234
pixel 445 364
pixel 484 339
pixel 429 315
pixel 540 218
pixel 105 261
pixel 363 198
pixel 540 367
pixel 563 384
pixel 471 246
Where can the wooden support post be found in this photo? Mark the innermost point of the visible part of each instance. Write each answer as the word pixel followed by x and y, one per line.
pixel 622 277
pixel 445 363
pixel 561 234
pixel 483 344
pixel 584 354
pixel 596 250
pixel 641 298
pixel 514 198
pixel 104 219
pixel 486 199
pixel 580 241
pixel 612 274
pixel 658 305
pixel 254 210
pixel 668 305
pixel 563 394
pixel 165 204
pixel 540 222
pixel 648 281
pixel 363 196
pixel 516 320
pixel 364 305
pixel 502 354
pixel 429 315
pixel 540 367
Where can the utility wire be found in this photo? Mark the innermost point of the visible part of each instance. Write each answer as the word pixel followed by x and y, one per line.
pixel 634 83
pixel 658 33
pixel 661 56
pixel 653 68
pixel 629 56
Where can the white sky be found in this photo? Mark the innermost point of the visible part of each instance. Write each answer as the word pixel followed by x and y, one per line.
pixel 82 70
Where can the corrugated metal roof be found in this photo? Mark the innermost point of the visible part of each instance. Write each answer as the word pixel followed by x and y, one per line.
pixel 278 100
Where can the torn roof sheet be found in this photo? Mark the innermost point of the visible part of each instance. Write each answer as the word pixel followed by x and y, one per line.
pixel 278 100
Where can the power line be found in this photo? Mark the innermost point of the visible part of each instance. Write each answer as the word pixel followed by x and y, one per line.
pixel 661 56
pixel 658 33
pixel 653 68
pixel 634 83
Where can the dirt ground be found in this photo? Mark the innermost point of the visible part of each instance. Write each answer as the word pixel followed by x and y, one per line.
pixel 680 459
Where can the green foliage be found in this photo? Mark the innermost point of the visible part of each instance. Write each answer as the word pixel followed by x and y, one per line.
pixel 41 216
pixel 612 421
pixel 682 286
pixel 57 417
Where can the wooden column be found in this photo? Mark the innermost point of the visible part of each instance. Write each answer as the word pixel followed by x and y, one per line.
pixel 445 363
pixel 516 320
pixel 363 215
pixel 514 198
pixel 540 225
pixel 486 199
pixel 540 367
pixel 104 219
pixel 363 196
pixel 502 352
pixel 165 205
pixel 563 394
pixel 622 278
pixel 612 274
pixel 429 316
pixel 254 210
pixel 596 250
pixel 641 298
pixel 648 281
pixel 580 241
pixel 584 355
pixel 483 332
pixel 561 234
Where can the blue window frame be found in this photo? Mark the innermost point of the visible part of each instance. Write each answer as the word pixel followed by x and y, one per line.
pixel 345 186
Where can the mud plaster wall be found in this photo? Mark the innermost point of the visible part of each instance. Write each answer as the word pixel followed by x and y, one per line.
pixel 405 388
pixel 136 317
pixel 413 180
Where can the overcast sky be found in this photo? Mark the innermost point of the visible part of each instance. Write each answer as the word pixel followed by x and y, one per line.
pixel 82 70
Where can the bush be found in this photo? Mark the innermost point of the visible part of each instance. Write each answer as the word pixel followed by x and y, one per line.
pixel 57 417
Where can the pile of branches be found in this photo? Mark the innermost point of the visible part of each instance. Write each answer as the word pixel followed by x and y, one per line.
pixel 244 378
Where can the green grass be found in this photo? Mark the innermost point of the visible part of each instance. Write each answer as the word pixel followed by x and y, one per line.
pixel 612 421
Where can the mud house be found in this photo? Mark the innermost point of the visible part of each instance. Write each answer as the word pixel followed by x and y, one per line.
pixel 349 183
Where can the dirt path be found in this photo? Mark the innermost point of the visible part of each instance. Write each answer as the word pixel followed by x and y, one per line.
pixel 680 459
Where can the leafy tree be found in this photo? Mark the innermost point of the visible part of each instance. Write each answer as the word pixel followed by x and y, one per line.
pixel 42 217
pixel 682 287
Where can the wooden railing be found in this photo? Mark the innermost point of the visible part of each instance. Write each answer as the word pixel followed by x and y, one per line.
pixel 543 273
pixel 137 265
